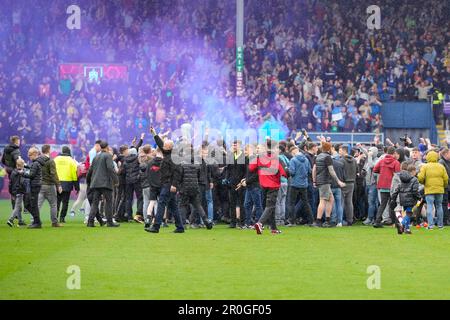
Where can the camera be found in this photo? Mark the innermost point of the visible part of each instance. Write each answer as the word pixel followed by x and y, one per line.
pixel 404 138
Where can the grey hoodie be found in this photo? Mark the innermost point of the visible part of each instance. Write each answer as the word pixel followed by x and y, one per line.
pixel 370 164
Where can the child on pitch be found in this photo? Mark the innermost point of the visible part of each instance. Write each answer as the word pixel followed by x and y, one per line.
pixel 270 171
pixel 408 192
pixel 18 187
pixel 153 174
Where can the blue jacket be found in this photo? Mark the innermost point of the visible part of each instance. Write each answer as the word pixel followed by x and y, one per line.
pixel 299 169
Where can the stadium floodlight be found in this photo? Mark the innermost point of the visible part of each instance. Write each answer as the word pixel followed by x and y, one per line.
pixel 240 47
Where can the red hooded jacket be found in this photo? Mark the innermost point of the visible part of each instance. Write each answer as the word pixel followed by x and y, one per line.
pixel 270 171
pixel 386 169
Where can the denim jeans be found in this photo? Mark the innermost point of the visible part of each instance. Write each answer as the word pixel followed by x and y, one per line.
pixel 253 197
pixel 167 198
pixel 18 205
pixel 209 201
pixel 437 200
pixel 313 197
pixel 280 209
pixel 372 193
pixel 406 222
pixel 338 210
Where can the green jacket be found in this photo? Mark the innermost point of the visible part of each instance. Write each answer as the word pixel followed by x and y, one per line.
pixel 49 175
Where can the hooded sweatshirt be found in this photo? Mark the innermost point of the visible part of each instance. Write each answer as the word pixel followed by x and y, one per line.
pixel 433 175
pixel 386 169
pixel 369 165
pixel 10 155
pixel 349 168
pixel 299 169
pixel 49 175
pixel 132 170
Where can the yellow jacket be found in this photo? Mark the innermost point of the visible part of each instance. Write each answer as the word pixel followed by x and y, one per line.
pixel 433 175
pixel 66 168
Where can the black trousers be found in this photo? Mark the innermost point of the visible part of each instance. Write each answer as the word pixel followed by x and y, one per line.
pixel 294 194
pixel 96 196
pixel 268 215
pixel 445 208
pixel 130 190
pixel 237 200
pixel 195 201
pixel 119 204
pixel 33 205
pixel 385 197
pixel 63 198
pixel 221 201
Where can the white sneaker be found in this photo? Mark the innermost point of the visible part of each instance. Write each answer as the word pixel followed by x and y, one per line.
pixel 72 213
pixel 339 225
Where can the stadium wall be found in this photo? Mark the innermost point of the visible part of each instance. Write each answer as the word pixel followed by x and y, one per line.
pixel 412 118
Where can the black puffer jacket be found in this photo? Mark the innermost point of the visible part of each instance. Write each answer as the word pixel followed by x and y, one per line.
pixel 17 183
pixel 34 173
pixel 190 175
pixel 10 155
pixel 145 183
pixel 121 174
pixel 408 190
pixel 131 168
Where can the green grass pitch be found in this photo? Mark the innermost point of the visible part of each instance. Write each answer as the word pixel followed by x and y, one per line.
pixel 301 263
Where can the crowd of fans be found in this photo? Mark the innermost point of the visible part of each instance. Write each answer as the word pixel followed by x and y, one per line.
pixel 310 64
pixel 274 183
